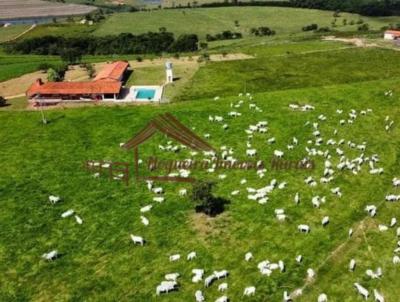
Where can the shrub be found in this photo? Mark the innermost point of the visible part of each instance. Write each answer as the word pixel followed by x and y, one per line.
pixel 310 27
pixel 139 59
pixel 225 35
pixel 3 101
pixel 204 199
pixel 363 27
pixel 262 31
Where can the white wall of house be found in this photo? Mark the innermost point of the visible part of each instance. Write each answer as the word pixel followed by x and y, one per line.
pixel 389 36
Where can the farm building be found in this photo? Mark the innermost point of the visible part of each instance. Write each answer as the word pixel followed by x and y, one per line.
pixel 392 35
pixel 107 85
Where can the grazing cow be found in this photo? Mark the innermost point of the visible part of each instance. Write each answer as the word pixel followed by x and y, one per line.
pixel 396 259
pixel 191 256
pixel 299 258
pixel 362 290
pixel 251 152
pixel 310 274
pixel 383 228
pixel 278 153
pixel 209 280
pixel 393 222
pixel 54 199
pixel 350 232
pixel 286 297
pixel 159 199
pixel 222 299
pixel 67 213
pixel 322 298
pixel 297 198
pixel 271 140
pixel 303 228
pixel 221 274
pixel 199 296
pixel 50 255
pixel 378 296
pixel 325 221
pixel 137 240
pixel 175 257
pixel 182 192
pixel 158 190
pixel 352 265
pixel 249 291
pixel 144 220
pixel 248 256
pixel 146 208
pixel 172 276
pixel 78 219
pixel 166 288
pixel 223 287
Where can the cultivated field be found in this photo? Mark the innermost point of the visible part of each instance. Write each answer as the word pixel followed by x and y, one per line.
pixel 284 21
pixel 17 9
pixel 9 33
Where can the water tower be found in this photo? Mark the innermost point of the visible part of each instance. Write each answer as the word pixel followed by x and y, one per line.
pixel 168 70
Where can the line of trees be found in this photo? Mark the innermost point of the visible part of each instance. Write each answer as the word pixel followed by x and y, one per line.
pixel 225 35
pixel 71 49
pixel 363 7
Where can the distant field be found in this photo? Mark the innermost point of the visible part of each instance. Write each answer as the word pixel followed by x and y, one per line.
pixel 8 33
pixel 269 73
pixel 14 9
pixel 202 21
pixel 177 3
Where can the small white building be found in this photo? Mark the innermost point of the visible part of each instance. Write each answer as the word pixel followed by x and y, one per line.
pixel 392 35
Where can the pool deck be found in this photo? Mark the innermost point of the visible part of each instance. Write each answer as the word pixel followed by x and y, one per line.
pixel 133 90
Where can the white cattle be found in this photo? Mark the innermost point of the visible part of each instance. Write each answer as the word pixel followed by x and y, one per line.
pixel 199 296
pixel 78 219
pixel 158 190
pixel 286 297
pixel 322 298
pixel 378 296
pixel 362 290
pixel 251 152
pixel 271 140
pixel 158 199
pixel 172 276
pixel 223 287
pixel 54 199
pixel 146 208
pixel 393 222
pixel 249 291
pixel 396 259
pixel 222 299
pixel 67 213
pixel 234 193
pixel 325 220
pixel 144 220
pixel 383 228
pixel 396 182
pixel 175 257
pixel 297 198
pixel 299 258
pixel 278 153
pixel 352 265
pixel 303 228
pixel 221 274
pixel 165 288
pixel 248 256
pixel 50 255
pixel 191 256
pixel 310 274
pixel 182 192
pixel 137 239
pixel 209 280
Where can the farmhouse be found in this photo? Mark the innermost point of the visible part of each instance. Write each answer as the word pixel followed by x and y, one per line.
pixel 107 85
pixel 392 35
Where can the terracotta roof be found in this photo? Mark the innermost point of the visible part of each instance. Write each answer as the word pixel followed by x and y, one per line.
pixel 68 88
pixel 393 32
pixel 112 71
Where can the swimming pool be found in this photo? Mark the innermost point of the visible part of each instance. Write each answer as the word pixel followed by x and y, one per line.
pixel 145 94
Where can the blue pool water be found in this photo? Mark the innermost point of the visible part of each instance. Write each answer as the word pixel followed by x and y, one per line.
pixel 145 94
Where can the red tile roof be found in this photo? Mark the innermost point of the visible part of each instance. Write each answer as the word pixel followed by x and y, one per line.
pixel 73 88
pixel 113 71
pixel 393 32
pixel 106 82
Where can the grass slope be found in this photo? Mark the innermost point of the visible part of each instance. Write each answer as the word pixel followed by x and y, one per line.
pixel 9 33
pixel 202 21
pixel 99 263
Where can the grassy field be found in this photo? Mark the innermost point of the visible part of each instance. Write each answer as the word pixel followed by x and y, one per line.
pixel 284 21
pixel 288 71
pixel 9 33
pixel 99 263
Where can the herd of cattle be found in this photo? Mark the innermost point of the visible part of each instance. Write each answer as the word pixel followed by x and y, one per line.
pixel 331 150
